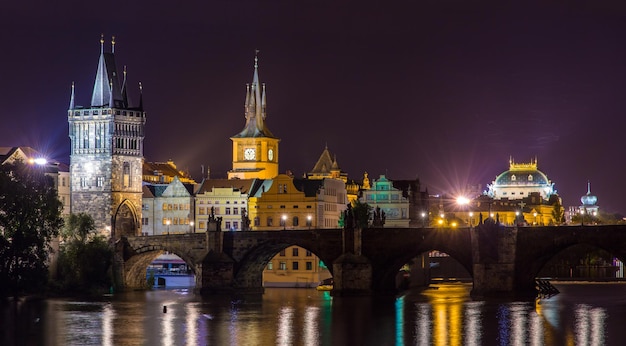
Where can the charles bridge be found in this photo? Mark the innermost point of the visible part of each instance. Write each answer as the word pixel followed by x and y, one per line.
pixel 501 260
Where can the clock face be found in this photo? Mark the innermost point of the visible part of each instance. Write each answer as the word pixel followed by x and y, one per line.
pixel 270 154
pixel 249 154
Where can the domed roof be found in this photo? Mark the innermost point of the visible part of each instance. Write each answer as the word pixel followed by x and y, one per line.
pixel 522 174
pixel 589 199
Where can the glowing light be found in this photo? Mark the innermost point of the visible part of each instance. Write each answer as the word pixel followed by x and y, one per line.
pixel 462 200
pixel 40 161
pixel 453 224
pixel 440 221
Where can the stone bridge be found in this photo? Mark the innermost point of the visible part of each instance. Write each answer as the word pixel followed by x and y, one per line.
pixel 501 260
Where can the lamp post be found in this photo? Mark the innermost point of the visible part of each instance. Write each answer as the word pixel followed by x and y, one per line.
pixel 471 217
pixel 535 215
pixel 308 220
pixel 423 219
pixel 167 223
pixel 284 218
pixel 192 230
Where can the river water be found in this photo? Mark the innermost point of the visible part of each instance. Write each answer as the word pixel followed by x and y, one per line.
pixel 582 314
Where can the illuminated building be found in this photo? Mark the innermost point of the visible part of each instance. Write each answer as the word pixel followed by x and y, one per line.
pixel 522 195
pixel 389 200
pixel 167 208
pixel 106 154
pixel 285 203
pixel 255 148
pixel 589 203
pixel 520 181
pixel 225 198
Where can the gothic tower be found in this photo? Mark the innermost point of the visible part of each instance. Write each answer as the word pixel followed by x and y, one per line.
pixel 107 152
pixel 255 148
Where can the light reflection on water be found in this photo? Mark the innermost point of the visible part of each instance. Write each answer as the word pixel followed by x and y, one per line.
pixel 444 315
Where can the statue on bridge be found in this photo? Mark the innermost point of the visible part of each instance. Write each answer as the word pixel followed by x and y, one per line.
pixel 215 223
pixel 378 218
pixel 245 221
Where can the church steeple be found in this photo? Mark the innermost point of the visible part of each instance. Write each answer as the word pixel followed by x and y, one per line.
pixel 255 148
pixel 255 107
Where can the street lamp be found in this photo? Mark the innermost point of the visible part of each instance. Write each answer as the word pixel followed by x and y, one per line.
pixel 284 222
pixel 423 219
pixel 535 215
pixel 193 230
pixel 308 220
pixel 167 222
pixel 471 218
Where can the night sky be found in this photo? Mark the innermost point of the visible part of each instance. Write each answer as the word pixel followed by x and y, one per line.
pixel 445 91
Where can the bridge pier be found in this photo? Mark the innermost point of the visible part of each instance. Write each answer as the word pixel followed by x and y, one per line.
pixel 494 255
pixel 352 272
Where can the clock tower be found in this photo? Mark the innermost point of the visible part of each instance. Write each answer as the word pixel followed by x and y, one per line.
pixel 255 148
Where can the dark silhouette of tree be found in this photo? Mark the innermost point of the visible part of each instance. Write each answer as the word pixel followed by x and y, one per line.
pixel 85 257
pixel 30 217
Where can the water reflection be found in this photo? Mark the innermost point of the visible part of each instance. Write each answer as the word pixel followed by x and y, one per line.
pixel 444 315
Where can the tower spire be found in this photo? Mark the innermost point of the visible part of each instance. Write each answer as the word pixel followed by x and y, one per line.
pixel 113 44
pixel 101 43
pixel 588 187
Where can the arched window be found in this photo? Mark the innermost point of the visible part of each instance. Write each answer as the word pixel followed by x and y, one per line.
pixel 270 221
pixel 530 177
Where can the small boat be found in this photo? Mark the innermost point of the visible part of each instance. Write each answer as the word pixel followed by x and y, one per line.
pixel 325 285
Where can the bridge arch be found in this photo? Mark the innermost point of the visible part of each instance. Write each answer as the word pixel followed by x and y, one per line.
pixel 249 271
pixel 143 253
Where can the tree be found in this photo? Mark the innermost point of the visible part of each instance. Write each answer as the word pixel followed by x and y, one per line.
pixel 362 213
pixel 30 217
pixel 85 256
pixel 558 213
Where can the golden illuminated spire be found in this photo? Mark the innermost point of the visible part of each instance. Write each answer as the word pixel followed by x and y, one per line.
pixel 113 44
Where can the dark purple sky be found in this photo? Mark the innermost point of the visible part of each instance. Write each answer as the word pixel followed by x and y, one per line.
pixel 441 90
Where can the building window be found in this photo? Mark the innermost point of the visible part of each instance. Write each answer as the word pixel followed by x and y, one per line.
pixel 257 221
pixel 283 222
pixel 294 252
pixel 63 181
pixel 295 221
pixel 308 253
pixel 530 177
pixel 126 174
pixel 282 266
pixel 282 252
pixel 309 265
pixel 235 211
pixel 294 265
pixel 201 211
pixel 227 211
pixel 235 225
pixel 227 224
pixel 270 265
pixel 201 225
pixel 83 182
pixel 270 221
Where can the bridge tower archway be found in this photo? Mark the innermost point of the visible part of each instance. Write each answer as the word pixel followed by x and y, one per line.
pixel 125 221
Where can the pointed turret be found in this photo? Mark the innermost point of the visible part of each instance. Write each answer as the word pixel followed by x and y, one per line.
pixel 106 89
pixel 72 98
pixel 140 96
